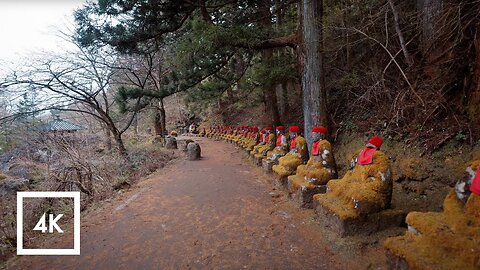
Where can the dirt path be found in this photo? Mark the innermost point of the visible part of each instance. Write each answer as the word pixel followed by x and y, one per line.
pixel 216 213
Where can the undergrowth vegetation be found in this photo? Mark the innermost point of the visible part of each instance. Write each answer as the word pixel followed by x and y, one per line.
pixel 73 162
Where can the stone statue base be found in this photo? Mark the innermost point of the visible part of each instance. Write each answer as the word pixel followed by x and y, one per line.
pixel 301 192
pixel 257 160
pixel 345 225
pixel 280 181
pixel 268 164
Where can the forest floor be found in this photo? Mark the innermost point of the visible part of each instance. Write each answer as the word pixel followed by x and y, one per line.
pixel 221 212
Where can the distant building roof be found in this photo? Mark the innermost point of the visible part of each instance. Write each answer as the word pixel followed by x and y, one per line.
pixel 58 125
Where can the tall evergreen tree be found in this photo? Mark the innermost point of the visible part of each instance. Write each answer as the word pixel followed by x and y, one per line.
pixel 208 35
pixel 27 107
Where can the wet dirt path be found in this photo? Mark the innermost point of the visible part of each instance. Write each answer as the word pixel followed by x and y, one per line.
pixel 216 213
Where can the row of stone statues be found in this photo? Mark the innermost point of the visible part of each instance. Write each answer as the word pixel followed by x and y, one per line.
pixel 310 174
pixel 360 202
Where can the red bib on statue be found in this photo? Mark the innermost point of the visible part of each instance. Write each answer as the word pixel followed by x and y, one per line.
pixel 279 140
pixel 267 138
pixel 366 156
pixel 316 148
pixel 475 186
pixel 293 143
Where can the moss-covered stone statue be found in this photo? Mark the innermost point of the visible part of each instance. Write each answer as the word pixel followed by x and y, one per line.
pixel 312 178
pixel 246 137
pixel 354 204
pixel 443 240
pixel 268 146
pixel 209 132
pixel 239 134
pixel 281 145
pixel 263 143
pixel 212 132
pixel 231 134
pixel 260 142
pixel 280 150
pixel 298 154
pixel 226 132
pixel 253 139
pixel 242 136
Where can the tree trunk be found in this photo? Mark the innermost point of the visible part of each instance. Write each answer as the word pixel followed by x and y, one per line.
pixel 281 88
pixel 117 135
pixel 156 123
pixel 280 14
pixel 119 144
pixel 282 94
pixel 430 21
pixel 286 104
pixel 401 39
pixel 160 119
pixel 272 104
pixel 474 97
pixel 108 138
pixel 346 34
pixel 313 77
pixel 135 126
pixel 267 55
pixel 430 13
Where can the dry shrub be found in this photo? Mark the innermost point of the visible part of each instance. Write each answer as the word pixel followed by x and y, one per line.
pixel 146 158
pixel 74 163
pixel 8 229
pixel 424 103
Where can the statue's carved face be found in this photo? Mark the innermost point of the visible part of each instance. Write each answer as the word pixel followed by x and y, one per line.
pixel 292 134
pixel 369 145
pixel 317 136
pixel 279 132
pixel 462 187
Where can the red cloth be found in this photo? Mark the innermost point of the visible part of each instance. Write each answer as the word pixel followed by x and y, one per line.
pixel 279 140
pixel 377 141
pixel 295 129
pixel 316 148
pixel 267 138
pixel 321 130
pixel 366 156
pixel 293 143
pixel 475 186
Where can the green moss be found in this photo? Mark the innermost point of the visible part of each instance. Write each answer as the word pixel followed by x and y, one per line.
pixel 443 240
pixel 287 165
pixel 364 190
pixel 314 170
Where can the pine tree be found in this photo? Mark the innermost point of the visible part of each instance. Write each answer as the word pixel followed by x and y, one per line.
pixel 27 107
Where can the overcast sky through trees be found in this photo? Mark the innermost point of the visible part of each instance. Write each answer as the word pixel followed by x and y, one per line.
pixel 28 27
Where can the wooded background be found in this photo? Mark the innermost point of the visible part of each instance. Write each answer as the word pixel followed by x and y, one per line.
pixel 404 69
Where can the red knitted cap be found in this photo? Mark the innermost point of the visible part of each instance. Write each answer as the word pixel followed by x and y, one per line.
pixel 319 129
pixel 295 129
pixel 268 128
pixel 377 141
pixel 280 128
